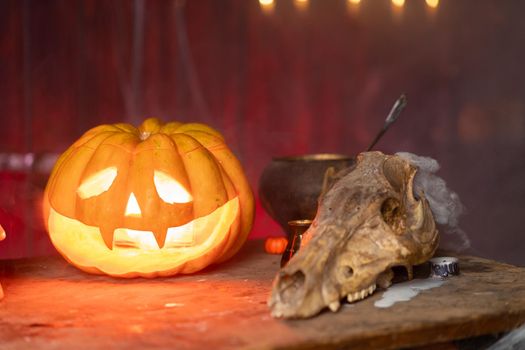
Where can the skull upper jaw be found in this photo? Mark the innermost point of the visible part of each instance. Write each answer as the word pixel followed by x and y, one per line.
pixel 351 272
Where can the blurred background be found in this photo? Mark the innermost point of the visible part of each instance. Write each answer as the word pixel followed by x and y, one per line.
pixel 282 77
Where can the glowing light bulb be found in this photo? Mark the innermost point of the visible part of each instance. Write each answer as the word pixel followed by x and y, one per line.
pixel 352 6
pixel 266 2
pixel 301 4
pixel 267 5
pixel 432 3
pixel 398 3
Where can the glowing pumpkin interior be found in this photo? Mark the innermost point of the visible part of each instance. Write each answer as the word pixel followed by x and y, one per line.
pixel 138 250
pixel 157 200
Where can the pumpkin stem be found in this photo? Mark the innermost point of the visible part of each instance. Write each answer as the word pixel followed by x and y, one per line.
pixel 144 135
pixel 148 127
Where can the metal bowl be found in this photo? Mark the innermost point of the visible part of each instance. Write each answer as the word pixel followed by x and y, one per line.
pixel 290 186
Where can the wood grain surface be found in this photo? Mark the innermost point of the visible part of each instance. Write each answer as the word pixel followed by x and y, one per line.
pixel 51 305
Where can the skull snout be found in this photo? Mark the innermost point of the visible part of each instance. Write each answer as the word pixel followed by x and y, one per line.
pixel 291 286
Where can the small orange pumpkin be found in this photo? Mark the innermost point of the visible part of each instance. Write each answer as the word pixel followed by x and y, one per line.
pixel 275 245
pixel 159 199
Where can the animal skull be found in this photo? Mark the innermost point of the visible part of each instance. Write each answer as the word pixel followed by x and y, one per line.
pixel 369 221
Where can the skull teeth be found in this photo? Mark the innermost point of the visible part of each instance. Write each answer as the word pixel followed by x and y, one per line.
pixel 334 305
pixel 361 294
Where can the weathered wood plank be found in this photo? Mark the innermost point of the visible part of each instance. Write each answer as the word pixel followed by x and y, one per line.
pixel 51 305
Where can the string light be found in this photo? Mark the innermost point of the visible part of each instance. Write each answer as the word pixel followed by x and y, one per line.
pixel 301 4
pixel 353 6
pixel 432 3
pixel 398 3
pixel 267 5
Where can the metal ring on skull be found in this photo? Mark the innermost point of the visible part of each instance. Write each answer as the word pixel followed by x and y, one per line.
pixel 441 267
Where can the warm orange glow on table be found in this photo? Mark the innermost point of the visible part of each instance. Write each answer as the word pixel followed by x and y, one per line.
pixel 49 305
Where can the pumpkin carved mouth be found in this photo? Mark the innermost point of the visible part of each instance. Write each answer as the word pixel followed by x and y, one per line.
pixel 186 235
pixel 139 248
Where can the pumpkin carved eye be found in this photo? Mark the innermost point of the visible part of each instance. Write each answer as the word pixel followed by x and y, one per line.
pixel 97 183
pixel 169 189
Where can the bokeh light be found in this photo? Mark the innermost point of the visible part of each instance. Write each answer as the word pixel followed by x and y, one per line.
pixel 432 3
pixel 398 3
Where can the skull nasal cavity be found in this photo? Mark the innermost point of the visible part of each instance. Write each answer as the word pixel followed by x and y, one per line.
pixel 290 285
pixel 392 214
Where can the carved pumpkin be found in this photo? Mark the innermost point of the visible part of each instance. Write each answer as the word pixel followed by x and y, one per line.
pixel 159 199
pixel 275 245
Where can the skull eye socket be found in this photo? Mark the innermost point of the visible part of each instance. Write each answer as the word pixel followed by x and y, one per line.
pixel 392 214
pixel 348 271
pixel 169 189
pixel 97 183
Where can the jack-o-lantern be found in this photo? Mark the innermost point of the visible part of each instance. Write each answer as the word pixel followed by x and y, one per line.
pixel 156 200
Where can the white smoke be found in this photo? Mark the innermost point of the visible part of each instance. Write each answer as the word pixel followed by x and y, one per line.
pixel 444 203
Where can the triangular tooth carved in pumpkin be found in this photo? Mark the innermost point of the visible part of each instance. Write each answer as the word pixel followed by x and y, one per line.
pixel 160 237
pixel 107 234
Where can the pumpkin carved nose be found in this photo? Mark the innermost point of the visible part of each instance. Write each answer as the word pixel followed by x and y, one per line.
pixel 133 208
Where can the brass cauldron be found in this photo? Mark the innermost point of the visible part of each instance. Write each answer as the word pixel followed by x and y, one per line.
pixel 290 186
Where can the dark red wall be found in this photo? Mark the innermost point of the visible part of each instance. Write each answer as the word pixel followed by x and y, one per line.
pixel 288 82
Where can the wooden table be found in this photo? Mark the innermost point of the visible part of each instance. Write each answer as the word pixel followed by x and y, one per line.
pixel 51 305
